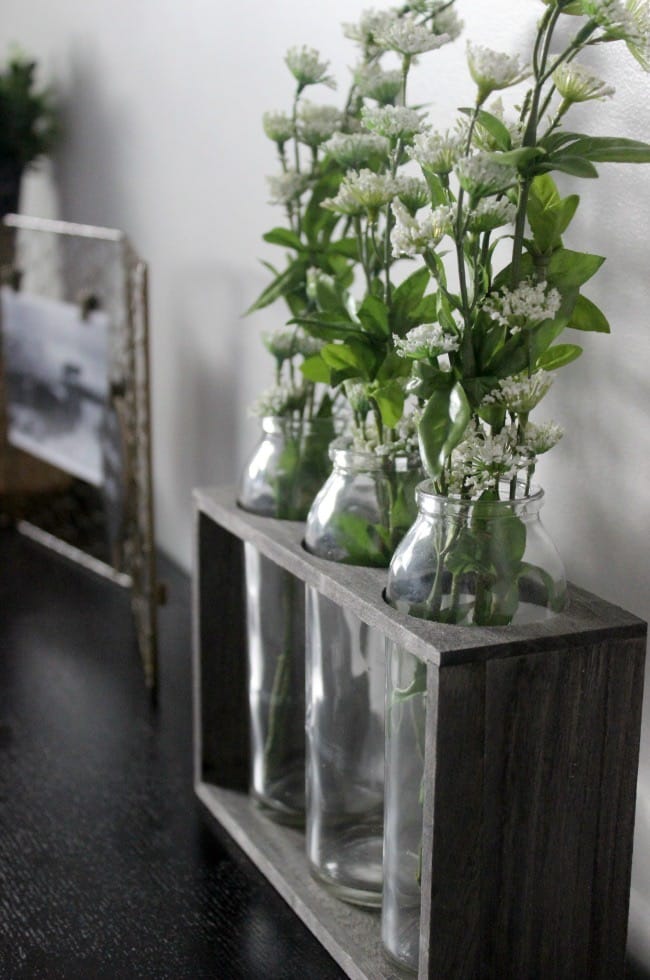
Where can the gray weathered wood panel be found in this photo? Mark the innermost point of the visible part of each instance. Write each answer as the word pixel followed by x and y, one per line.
pixel 531 762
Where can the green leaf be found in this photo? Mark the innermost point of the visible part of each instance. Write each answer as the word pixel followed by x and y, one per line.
pixel 365 544
pixel 354 358
pixel 348 247
pixel 390 402
pixel 374 316
pixel 611 149
pixel 499 133
pixel 568 269
pixel 406 298
pixel 283 236
pixel 587 316
pixel 442 426
pixel 436 189
pixel 520 158
pixel 556 357
pixel 548 214
pixel 329 327
pixel 288 280
pixel 315 369
pixel 567 164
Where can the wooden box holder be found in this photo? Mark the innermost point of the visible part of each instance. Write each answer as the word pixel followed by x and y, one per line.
pixel 532 750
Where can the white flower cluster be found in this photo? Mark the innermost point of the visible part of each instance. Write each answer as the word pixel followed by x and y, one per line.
pixel 540 438
pixel 490 214
pixel 438 152
pixel 446 20
pixel 278 400
pixel 286 342
pixel 414 235
pixel 529 303
pixel 407 36
pixel 481 460
pixel 287 187
pixel 374 82
pixel 493 70
pixel 306 67
pixel 412 192
pixel 278 126
pixel 364 32
pixel 352 150
pixel 575 83
pixel 628 21
pixel 361 192
pixel 425 340
pixel 481 176
pixel 317 123
pixel 394 122
pixel 520 393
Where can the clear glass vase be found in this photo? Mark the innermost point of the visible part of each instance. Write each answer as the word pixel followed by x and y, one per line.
pixel 287 468
pixel 488 562
pixel 355 519
pixel 405 732
pixel 285 472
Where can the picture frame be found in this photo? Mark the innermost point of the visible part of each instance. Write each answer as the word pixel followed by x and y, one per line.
pixel 75 424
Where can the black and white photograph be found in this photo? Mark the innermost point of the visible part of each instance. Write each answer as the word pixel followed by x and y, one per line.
pixel 56 367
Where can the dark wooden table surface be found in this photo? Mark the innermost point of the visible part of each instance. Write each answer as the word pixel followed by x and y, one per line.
pixel 107 869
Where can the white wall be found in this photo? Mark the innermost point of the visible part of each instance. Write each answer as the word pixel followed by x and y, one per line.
pixel 162 104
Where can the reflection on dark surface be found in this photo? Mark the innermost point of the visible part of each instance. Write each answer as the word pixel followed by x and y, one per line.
pixel 107 871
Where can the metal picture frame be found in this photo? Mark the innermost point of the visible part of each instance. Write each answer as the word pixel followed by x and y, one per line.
pixel 59 276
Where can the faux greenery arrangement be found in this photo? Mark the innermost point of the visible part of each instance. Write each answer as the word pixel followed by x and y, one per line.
pixel 28 127
pixel 466 346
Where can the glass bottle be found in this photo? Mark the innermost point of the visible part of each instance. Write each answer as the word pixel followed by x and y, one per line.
pixel 405 732
pixel 488 562
pixel 351 521
pixel 281 479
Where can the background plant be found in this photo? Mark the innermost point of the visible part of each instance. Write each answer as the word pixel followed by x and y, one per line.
pixel 28 127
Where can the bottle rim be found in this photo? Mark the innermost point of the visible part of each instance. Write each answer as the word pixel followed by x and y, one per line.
pixel 524 504
pixel 355 459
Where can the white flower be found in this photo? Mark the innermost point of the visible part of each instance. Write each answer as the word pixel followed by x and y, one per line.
pixel 482 459
pixel 437 152
pixel 362 191
pixel 287 187
pixel 286 342
pixel 278 400
pixel 575 83
pixel 412 192
pixel 306 67
pixel 446 21
pixel 414 235
pixel 492 70
pixel 519 393
pixel 317 123
pixel 529 303
pixel 394 122
pixel 278 126
pixel 490 214
pixel 426 340
pixel 364 32
pixel 539 439
pixel 352 150
pixel 482 176
pixel 407 36
pixel 374 82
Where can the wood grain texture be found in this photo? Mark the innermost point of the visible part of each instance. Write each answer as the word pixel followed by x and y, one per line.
pixel 221 698
pixel 532 749
pixel 361 590
pixel 451 936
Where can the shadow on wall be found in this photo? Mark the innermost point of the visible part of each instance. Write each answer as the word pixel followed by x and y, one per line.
pixel 87 167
